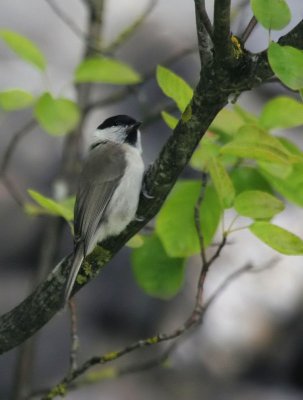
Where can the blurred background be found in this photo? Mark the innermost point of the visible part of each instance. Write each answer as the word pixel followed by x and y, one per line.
pixel 250 345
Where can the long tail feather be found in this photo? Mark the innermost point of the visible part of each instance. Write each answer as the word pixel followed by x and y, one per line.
pixel 76 264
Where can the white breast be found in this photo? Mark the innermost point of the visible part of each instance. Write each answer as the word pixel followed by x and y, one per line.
pixel 122 207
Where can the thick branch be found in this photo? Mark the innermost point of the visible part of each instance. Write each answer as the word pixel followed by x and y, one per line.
pixel 222 43
pixel 209 98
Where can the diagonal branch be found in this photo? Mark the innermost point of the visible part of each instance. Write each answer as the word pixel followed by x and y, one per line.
pixel 36 310
pixel 130 30
pixel 40 306
pixel 69 22
pixel 249 29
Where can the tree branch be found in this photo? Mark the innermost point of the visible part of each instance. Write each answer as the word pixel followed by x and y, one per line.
pixel 69 22
pixel 248 30
pixel 129 31
pixel 210 96
pixel 204 32
pixel 16 137
pixel 222 42
pixel 114 372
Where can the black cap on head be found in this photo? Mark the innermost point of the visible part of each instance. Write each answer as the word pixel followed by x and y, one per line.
pixel 117 120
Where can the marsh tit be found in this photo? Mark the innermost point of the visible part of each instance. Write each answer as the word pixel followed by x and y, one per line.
pixel 108 189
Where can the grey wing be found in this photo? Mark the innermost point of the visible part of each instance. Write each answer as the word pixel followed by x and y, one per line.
pixel 98 180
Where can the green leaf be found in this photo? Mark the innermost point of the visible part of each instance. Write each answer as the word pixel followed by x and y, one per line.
pixel 290 146
pixel 278 238
pixel 290 187
pixel 282 112
pixel 169 119
pixel 24 48
pixel 56 116
pixel 226 123
pixel 289 184
pixel 156 273
pixel 254 142
pixel 245 115
pixel 175 221
pixel 279 170
pixel 272 14
pixel 248 178
pixel 222 182
pixel 257 205
pixel 258 135
pixel 207 148
pixel 287 64
pixel 63 209
pixel 253 151
pixel 174 86
pixel 15 99
pixel 106 70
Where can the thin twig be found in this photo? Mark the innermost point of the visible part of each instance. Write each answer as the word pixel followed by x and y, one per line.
pixel 13 191
pixel 16 137
pixel 235 275
pixel 194 319
pixel 74 335
pixel 197 219
pixel 200 5
pixel 7 182
pixel 204 32
pixel 249 29
pixel 115 372
pixel 232 277
pixel 69 22
pixel 129 31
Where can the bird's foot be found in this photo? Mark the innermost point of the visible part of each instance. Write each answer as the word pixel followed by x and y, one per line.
pixel 146 194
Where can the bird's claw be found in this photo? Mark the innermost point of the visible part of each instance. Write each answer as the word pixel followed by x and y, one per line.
pixel 146 194
pixel 139 219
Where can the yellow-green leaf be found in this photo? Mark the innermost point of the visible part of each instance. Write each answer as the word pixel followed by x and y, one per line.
pixel 175 222
pixel 227 122
pixel 278 238
pixel 253 142
pixel 169 119
pixel 106 70
pixel 56 116
pixel 248 178
pixel 272 14
pixel 174 86
pixel 282 112
pixel 287 64
pixel 207 148
pixel 156 273
pixel 63 209
pixel 222 182
pixel 15 99
pixel 253 151
pixel 24 48
pixel 257 205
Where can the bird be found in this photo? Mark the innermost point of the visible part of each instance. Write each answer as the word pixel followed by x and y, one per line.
pixel 109 187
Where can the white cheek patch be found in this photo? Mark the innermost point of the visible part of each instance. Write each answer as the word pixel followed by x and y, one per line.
pixel 114 133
